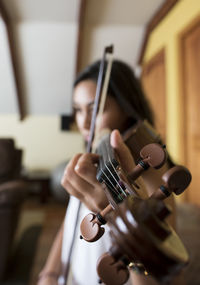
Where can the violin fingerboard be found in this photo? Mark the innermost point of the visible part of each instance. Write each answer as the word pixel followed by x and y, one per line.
pixel 107 169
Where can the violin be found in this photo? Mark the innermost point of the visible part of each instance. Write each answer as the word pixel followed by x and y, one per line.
pixel 141 238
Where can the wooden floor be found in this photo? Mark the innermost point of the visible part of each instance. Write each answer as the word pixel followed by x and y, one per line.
pixel 53 214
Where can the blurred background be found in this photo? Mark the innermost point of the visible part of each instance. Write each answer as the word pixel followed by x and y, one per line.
pixel 43 44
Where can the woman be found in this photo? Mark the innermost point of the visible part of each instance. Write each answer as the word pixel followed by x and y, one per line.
pixel 125 105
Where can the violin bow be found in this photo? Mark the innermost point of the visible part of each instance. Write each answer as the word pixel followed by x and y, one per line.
pixel 101 92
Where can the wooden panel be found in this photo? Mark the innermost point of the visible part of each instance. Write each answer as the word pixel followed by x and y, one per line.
pixel 14 60
pixel 160 14
pixel 191 90
pixel 153 80
pixel 80 36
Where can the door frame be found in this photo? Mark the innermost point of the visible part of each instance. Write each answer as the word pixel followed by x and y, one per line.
pixel 184 33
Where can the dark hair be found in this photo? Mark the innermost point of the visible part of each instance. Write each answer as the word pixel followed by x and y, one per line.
pixel 124 86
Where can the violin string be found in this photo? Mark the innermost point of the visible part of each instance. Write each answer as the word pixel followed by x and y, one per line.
pixel 117 183
pixel 117 187
pixel 115 190
pixel 115 171
pixel 117 175
pixel 117 193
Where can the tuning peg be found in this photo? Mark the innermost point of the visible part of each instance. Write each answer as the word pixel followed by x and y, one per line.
pixel 153 155
pixel 176 180
pixel 111 271
pixel 90 227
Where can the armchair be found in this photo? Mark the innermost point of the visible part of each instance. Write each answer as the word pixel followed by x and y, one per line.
pixel 12 194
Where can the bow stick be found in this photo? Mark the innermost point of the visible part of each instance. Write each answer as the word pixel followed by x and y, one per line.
pixel 101 93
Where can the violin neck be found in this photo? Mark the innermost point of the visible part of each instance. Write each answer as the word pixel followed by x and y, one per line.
pixel 107 170
pixel 107 155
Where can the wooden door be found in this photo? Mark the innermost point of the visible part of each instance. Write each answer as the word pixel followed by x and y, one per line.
pixel 154 84
pixel 190 44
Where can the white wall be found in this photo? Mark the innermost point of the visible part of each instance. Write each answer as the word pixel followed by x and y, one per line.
pixel 127 40
pixel 44 145
pixel 47 53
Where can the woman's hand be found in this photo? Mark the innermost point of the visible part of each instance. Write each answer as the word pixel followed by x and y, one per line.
pixel 79 178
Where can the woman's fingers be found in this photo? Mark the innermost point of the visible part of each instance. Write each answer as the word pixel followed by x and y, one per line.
pixel 122 151
pixel 86 167
pixel 72 182
pixel 71 190
pixel 94 197
pixel 79 180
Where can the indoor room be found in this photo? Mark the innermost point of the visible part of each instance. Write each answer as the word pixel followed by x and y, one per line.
pixel 61 153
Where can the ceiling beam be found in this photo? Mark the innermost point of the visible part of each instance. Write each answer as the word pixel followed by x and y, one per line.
pixel 14 59
pixel 154 21
pixel 81 16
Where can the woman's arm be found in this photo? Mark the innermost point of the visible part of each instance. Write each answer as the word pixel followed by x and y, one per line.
pixel 52 269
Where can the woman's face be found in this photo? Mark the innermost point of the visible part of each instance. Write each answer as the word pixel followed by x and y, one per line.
pixel 83 102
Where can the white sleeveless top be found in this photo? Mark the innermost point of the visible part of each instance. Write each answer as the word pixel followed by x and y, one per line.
pixel 85 255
